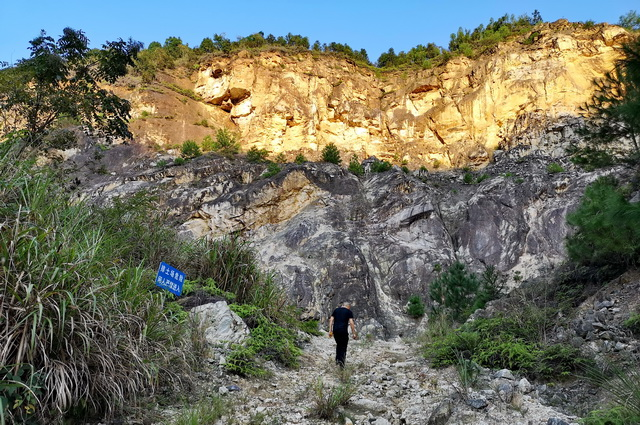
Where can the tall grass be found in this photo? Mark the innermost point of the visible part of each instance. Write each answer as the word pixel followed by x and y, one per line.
pixel 83 329
pixel 78 317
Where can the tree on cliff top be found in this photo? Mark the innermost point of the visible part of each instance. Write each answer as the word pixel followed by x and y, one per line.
pixel 61 80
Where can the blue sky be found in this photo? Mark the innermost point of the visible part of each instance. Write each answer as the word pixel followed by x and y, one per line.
pixel 372 25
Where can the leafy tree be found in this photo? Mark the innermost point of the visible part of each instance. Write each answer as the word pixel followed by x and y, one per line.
pixel 330 153
pixel 173 46
pixel 630 21
pixel 206 45
pixel 614 113
pixel 61 79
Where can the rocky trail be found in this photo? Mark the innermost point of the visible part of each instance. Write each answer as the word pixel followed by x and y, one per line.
pixel 393 385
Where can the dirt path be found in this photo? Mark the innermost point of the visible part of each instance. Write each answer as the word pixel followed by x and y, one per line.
pixel 393 385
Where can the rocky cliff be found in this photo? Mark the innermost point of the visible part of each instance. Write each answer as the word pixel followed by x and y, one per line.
pixel 449 116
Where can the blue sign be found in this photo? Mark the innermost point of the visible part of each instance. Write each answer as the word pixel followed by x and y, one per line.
pixel 170 278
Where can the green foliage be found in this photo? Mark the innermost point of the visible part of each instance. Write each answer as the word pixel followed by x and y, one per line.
pixel 330 153
pixel 355 167
pixel 179 161
pixel 633 323
pixel 630 21
pixel 226 142
pixel 607 227
pixel 300 159
pixel 207 411
pixel 326 400
pixel 617 415
pixel 280 158
pixel 76 304
pixel 268 341
pixel 474 43
pixel 185 92
pixel 468 371
pixel 190 149
pixel 455 290
pixel 380 166
pixel 62 79
pixel 513 342
pixel 208 144
pixel 272 169
pixel 416 307
pixel 257 155
pixel 468 178
pixel 613 114
pixel 554 168
pixel 203 122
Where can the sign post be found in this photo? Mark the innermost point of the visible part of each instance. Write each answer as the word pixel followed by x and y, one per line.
pixel 170 278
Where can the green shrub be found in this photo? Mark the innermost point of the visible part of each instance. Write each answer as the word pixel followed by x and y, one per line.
pixel 208 144
pixel 207 411
pixel 203 122
pixel 330 153
pixel 554 168
pixel 300 159
pixel 179 161
pixel 633 323
pixel 467 178
pixel 607 227
pixel 514 342
pixel 280 158
pixel 272 169
pixel 190 149
pixel 455 290
pixel 162 163
pixel 380 166
pixel 226 142
pixel 416 307
pixel 257 155
pixel 355 167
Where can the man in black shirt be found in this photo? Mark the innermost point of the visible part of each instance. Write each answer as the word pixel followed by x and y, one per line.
pixel 341 319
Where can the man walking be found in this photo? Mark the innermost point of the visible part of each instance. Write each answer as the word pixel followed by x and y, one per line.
pixel 341 319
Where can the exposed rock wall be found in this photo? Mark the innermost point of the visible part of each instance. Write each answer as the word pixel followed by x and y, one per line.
pixel 448 116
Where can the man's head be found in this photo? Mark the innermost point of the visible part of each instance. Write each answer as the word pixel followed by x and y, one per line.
pixel 346 304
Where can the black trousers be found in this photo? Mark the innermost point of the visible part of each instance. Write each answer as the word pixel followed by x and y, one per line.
pixel 342 339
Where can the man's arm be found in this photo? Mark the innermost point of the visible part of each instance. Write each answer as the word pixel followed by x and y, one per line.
pixel 330 326
pixel 352 323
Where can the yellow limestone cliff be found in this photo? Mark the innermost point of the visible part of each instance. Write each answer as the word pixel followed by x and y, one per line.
pixel 451 115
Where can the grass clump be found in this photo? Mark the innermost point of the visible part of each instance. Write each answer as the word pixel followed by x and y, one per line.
pixel 205 412
pixel 554 168
pixel 326 400
pixel 272 169
pixel 83 328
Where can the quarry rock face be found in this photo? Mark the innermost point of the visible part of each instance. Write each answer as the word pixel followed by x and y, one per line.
pixel 448 116
pixel 374 240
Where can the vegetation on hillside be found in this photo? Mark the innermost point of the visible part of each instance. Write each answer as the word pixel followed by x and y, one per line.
pixel 84 330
